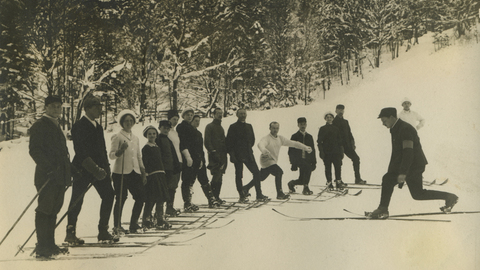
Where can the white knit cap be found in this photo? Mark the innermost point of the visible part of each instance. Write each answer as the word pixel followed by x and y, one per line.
pixel 406 100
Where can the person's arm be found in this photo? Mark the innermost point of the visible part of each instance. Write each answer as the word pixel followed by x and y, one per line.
pixel 36 148
pixel 262 146
pixel 208 139
pixel 421 121
pixel 407 160
pixel 295 144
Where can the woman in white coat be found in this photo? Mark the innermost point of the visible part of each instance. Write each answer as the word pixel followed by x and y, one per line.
pixel 128 172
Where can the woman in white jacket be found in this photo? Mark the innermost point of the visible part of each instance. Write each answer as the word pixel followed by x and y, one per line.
pixel 128 172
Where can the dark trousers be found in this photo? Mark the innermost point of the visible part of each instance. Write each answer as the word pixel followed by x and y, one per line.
pixel 133 183
pixel 253 168
pixel 189 175
pixel 305 171
pixel 276 171
pixel 351 154
pixel 50 202
pixel 415 185
pixel 104 189
pixel 172 184
pixel 336 160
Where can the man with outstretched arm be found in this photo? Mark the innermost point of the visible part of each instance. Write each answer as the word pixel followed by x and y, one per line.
pixel 240 140
pixel 407 164
pixel 270 148
pixel 48 148
pixel 92 160
pixel 300 159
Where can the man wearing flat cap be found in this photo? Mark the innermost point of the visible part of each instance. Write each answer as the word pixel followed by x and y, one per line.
pixel 302 160
pixel 407 164
pixel 92 160
pixel 48 148
pixel 348 142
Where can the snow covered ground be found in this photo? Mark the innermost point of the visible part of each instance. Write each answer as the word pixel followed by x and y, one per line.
pixel 444 87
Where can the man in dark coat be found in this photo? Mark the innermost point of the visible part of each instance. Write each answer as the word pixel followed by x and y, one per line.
pixel 348 142
pixel 407 164
pixel 240 140
pixel 331 151
pixel 300 159
pixel 217 152
pixel 92 160
pixel 48 148
pixel 170 163
pixel 191 145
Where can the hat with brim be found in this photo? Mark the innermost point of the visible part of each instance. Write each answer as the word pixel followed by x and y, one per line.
pixel 53 99
pixel 387 112
pixel 121 116
pixel 147 129
pixel 187 111
pixel 164 123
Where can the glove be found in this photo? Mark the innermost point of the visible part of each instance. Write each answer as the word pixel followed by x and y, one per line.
pixel 294 167
pixel 121 149
pixel 308 149
pixel 93 168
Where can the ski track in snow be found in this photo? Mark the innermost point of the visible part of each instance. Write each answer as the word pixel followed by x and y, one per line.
pixel 444 89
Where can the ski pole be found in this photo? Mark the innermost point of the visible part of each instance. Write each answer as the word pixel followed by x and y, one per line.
pixel 20 248
pixel 121 192
pixel 28 206
pixel 69 209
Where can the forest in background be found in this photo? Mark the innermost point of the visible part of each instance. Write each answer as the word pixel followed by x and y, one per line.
pixel 153 55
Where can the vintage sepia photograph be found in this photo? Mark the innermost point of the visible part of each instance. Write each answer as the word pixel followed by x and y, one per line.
pixel 240 134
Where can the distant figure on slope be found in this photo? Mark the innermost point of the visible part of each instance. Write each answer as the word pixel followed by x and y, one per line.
pixel 191 143
pixel 407 164
pixel 409 116
pixel 91 159
pixel 240 140
pixel 128 172
pixel 217 152
pixel 156 189
pixel 331 151
pixel 173 184
pixel 270 148
pixel 48 148
pixel 300 159
pixel 348 142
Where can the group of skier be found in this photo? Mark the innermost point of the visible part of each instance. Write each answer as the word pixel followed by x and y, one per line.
pixel 152 174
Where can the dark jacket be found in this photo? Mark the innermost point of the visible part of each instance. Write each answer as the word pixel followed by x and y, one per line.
pixel 215 143
pixel 196 151
pixel 402 131
pixel 152 158
pixel 346 135
pixel 169 155
pixel 328 140
pixel 89 141
pixel 215 137
pixel 295 155
pixel 186 133
pixel 48 148
pixel 240 140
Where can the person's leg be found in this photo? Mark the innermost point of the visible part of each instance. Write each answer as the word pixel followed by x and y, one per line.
pixel 389 181
pixel 137 190
pixel 415 185
pixel 120 191
pixel 79 187
pixel 238 178
pixel 351 154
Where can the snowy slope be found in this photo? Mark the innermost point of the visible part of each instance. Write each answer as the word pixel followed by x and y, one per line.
pixel 444 88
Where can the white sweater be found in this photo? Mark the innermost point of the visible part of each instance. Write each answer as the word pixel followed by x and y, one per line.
pixel 412 118
pixel 133 158
pixel 173 136
pixel 272 145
